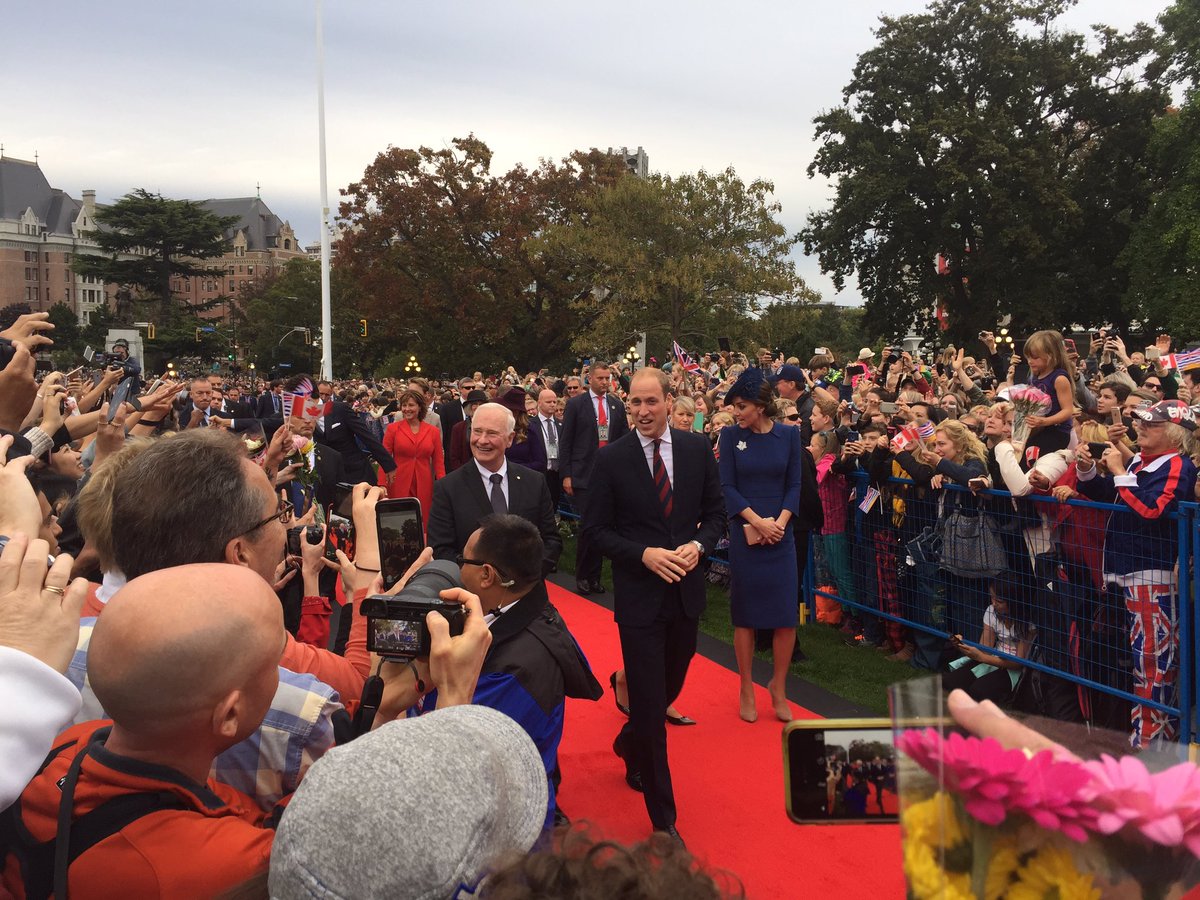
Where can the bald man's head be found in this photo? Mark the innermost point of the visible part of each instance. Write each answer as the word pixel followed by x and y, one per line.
pixel 180 651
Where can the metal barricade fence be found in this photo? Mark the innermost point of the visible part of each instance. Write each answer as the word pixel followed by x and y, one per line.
pixel 1099 650
pixel 1124 656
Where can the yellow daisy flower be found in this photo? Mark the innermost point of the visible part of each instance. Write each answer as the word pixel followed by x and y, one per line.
pixel 934 821
pixel 927 881
pixel 1051 873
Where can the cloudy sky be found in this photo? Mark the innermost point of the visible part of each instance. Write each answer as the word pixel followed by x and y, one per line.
pixel 208 100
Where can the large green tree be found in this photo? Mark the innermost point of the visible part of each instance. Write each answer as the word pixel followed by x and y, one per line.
pixel 981 131
pixel 441 249
pixel 675 256
pixel 1163 256
pixel 147 239
pixel 268 312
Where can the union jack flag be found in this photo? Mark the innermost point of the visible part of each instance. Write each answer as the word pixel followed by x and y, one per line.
pixel 1154 640
pixel 689 364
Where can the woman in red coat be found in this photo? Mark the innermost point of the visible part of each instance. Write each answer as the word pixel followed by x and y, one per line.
pixel 416 446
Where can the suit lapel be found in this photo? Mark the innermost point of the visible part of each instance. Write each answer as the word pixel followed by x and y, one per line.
pixel 475 488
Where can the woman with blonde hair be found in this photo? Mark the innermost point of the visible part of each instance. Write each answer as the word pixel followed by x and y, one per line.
pixel 953 455
pixel 683 414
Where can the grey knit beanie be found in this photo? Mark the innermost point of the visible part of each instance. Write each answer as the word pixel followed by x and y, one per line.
pixel 419 808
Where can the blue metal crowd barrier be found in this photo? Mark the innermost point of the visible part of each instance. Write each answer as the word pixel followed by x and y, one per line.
pixel 1106 672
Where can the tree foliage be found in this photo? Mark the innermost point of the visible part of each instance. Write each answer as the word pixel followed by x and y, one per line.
pixel 981 131
pixel 147 239
pixel 1163 256
pixel 674 256
pixel 442 247
pixel 268 312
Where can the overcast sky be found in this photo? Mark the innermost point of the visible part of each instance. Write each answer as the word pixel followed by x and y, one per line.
pixel 208 100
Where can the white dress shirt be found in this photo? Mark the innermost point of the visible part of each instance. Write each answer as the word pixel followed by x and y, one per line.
pixel 547 424
pixel 487 479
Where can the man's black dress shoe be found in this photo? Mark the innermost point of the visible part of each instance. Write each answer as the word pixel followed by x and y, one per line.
pixel 671 832
pixel 612 679
pixel 582 587
pixel 598 587
pixel 633 777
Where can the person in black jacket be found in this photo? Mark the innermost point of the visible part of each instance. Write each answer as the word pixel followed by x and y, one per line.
pixel 656 511
pixel 533 663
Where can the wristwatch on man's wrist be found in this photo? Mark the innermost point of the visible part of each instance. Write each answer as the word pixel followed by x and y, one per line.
pixel 699 546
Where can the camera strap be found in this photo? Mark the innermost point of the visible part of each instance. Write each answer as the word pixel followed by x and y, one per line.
pixel 372 696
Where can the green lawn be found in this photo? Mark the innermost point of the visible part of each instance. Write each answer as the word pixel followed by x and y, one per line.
pixel 858 675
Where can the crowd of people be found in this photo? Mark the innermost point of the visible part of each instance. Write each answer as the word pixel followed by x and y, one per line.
pixel 191 670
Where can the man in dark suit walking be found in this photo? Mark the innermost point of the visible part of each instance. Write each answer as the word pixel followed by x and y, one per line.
pixel 549 428
pixel 344 430
pixel 655 508
pixel 488 484
pixel 270 402
pixel 591 420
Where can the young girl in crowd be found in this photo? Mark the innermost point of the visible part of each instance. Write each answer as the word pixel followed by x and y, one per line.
pixel 983 675
pixel 1051 371
pixel 831 544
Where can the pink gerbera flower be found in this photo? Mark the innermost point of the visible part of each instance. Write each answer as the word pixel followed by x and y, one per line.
pixel 1164 807
pixel 993 782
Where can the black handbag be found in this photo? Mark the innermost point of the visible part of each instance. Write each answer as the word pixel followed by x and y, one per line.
pixel 971 546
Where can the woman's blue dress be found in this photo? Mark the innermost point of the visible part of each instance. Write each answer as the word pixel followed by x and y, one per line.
pixel 761 471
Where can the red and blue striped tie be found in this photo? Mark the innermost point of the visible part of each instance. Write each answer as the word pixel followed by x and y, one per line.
pixel 662 483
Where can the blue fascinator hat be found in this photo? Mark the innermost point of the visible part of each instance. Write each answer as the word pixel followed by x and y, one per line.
pixel 748 386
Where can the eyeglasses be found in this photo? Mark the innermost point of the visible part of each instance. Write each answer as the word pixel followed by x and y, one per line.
pixel 465 561
pixel 1154 386
pixel 284 515
pixel 794 417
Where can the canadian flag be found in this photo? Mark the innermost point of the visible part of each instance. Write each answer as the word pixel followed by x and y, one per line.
pixel 1180 361
pixel 905 438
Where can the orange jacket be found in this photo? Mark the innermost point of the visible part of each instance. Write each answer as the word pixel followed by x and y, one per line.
pixel 216 841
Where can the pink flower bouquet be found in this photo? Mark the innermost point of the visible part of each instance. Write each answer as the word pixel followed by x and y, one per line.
pixel 980 820
pixel 1027 401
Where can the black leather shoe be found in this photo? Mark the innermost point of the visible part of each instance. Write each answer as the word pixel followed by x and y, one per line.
pixel 582 587
pixel 598 588
pixel 671 832
pixel 679 720
pixel 612 679
pixel 633 777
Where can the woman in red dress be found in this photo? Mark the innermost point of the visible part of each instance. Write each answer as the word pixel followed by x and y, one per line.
pixel 416 446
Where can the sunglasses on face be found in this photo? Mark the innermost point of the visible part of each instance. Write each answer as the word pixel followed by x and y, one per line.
pixel 794 417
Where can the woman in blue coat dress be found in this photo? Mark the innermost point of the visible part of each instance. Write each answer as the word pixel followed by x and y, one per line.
pixel 760 468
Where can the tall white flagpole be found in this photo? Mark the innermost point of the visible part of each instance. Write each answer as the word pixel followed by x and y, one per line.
pixel 326 316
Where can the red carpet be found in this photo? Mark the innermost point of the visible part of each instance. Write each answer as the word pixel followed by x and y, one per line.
pixel 728 778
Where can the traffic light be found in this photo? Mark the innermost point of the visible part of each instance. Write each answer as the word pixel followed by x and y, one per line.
pixel 362 328
pixel 150 332
pixel 197 335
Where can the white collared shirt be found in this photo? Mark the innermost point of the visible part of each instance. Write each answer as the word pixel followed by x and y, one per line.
pixel 597 399
pixel 664 451
pixel 491 617
pixel 487 479
pixel 546 432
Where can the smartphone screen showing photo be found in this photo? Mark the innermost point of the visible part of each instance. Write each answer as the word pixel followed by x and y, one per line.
pixel 401 537
pixel 841 774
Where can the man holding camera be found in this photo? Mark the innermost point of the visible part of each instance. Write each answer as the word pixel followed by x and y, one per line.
pixel 533 663
pixel 655 509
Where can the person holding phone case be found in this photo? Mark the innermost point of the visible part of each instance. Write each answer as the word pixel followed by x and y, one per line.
pixel 760 469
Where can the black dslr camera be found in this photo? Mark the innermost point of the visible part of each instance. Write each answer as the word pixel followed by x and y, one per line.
pixel 396 626
pixel 312 534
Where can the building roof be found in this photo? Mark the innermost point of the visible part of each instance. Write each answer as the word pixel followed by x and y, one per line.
pixel 23 186
pixel 255 219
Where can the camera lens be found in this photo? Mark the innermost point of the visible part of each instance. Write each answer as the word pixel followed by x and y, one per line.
pixel 431 579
